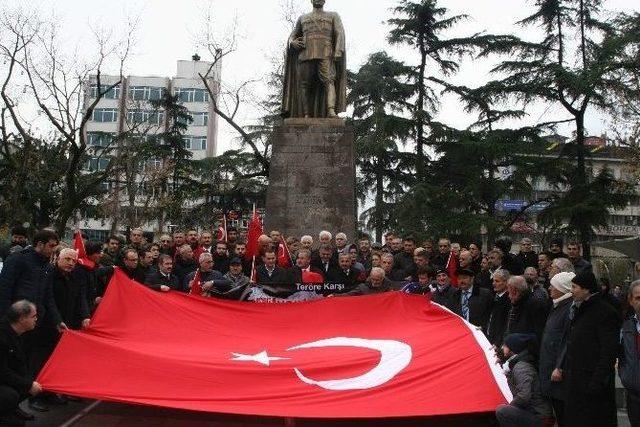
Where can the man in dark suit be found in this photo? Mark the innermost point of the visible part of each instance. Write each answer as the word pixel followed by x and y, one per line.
pixel 303 264
pixel 471 302
pixel 163 279
pixel 499 316
pixel 345 274
pixel 326 259
pixel 269 272
pixel 592 346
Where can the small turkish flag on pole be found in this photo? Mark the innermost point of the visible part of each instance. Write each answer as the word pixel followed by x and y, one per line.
pixel 284 257
pixel 196 287
pixel 255 230
pixel 254 271
pixel 78 245
pixel 222 230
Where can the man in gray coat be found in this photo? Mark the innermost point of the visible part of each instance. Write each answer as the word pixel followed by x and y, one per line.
pixel 554 344
pixel 528 407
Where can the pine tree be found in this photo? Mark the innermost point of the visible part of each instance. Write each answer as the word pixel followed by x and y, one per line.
pixel 380 101
pixel 575 65
pixel 423 25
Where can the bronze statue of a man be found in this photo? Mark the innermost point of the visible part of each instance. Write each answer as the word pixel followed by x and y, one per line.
pixel 315 69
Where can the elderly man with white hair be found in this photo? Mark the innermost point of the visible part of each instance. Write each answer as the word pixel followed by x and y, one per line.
pixel 342 246
pixel 70 294
pixel 377 283
pixel 554 343
pixel 306 242
pixel 325 237
pixel 560 265
pixel 211 280
pixel 528 315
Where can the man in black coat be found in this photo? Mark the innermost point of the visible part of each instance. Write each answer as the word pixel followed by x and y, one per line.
pixel 211 280
pixel 185 263
pixel 16 383
pixel 441 290
pixel 221 258
pixel 528 315
pixel 27 275
pixel 325 259
pixel 131 266
pixel 592 348
pixel 376 284
pixel 499 316
pixel 18 242
pixel 470 302
pixel 163 279
pixel 404 260
pixel 527 256
pixel 69 294
pixel 303 264
pixel 345 274
pixel 269 273
pixel 510 262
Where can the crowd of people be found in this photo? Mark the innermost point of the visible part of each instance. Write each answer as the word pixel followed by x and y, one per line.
pixel 556 329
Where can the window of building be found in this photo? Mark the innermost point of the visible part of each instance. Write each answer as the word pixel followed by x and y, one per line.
pixel 145 116
pixel 113 93
pixel 192 95
pixel 95 164
pixel 100 139
pixel 146 93
pixel 195 143
pixel 105 115
pixel 200 119
pixel 150 165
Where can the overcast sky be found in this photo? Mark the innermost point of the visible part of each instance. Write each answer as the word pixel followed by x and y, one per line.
pixel 168 31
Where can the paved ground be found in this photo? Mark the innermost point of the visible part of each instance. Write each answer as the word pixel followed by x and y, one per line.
pixel 104 414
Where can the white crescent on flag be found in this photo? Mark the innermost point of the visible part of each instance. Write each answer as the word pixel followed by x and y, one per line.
pixel 394 357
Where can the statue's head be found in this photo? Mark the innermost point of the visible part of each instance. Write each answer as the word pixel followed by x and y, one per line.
pixel 317 3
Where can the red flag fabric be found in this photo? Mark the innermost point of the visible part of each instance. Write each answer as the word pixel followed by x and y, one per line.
pixel 221 236
pixel 196 288
pixel 284 257
pixel 311 277
pixel 78 245
pixel 255 230
pixel 378 356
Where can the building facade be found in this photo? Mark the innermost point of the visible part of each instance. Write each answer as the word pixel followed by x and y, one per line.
pixel 622 223
pixel 127 108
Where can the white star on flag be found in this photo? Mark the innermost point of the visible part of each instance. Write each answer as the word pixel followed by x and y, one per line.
pixel 263 358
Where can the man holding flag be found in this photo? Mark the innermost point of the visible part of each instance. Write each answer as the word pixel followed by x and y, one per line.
pixel 253 246
pixel 304 272
pixel 205 280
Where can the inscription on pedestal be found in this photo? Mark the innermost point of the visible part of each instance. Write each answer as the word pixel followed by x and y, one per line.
pixel 312 178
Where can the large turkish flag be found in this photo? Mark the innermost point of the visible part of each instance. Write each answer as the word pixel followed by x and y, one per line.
pixel 388 355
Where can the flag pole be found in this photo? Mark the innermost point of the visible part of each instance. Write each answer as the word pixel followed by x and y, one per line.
pixel 224 226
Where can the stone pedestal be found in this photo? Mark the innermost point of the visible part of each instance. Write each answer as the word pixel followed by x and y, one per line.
pixel 312 179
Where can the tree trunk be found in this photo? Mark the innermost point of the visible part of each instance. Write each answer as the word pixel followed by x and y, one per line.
pixel 378 214
pixel 420 140
pixel 581 181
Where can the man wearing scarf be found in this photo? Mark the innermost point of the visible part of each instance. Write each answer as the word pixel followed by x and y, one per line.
pixel 554 344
